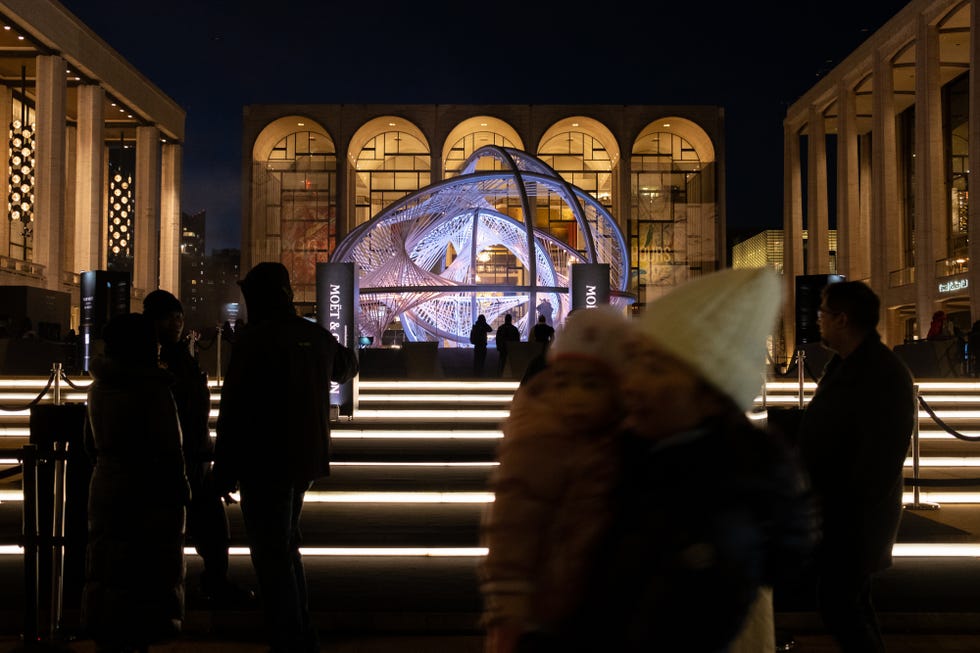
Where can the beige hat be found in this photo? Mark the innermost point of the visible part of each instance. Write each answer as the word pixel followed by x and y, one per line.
pixel 718 324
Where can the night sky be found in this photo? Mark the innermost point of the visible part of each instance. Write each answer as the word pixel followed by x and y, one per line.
pixel 215 57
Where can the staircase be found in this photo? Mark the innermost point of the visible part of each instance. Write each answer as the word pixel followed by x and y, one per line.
pixel 391 537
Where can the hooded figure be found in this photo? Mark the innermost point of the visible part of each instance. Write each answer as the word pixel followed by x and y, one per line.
pixel 274 440
pixel 134 577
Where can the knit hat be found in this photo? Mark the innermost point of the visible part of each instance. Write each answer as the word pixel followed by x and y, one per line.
pixel 718 324
pixel 159 304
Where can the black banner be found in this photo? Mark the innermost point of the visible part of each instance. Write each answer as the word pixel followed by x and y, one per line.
pixel 336 311
pixel 808 289
pixel 589 285
pixel 104 294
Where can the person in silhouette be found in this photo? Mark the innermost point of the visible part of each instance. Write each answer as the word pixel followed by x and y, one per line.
pixel 478 338
pixel 854 436
pixel 506 334
pixel 273 441
pixel 542 332
pixel 207 523
pixel 134 579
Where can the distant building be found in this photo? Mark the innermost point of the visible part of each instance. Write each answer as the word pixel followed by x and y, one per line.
pixel 193 265
pixel 765 249
pixel 223 296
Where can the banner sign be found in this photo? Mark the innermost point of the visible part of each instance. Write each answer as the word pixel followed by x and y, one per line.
pixel 589 285
pixel 336 311
pixel 103 294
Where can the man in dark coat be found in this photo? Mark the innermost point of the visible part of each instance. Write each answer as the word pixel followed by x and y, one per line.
pixel 506 334
pixel 273 441
pixel 478 338
pixel 854 438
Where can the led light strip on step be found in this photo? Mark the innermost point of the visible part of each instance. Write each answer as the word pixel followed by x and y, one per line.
pixel 900 550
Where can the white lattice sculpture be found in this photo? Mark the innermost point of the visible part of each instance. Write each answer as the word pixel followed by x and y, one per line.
pixel 419 259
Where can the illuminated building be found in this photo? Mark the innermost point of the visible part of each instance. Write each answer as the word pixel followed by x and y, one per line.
pixel 319 172
pixel 93 154
pixel 883 144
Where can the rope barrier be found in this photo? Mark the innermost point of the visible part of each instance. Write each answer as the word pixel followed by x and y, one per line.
pixel 944 426
pixel 73 386
pixel 33 402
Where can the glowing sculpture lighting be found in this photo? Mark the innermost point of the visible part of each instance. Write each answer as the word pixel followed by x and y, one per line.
pixel 423 258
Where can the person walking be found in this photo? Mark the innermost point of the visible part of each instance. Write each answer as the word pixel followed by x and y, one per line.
pixel 636 506
pixel 854 437
pixel 506 334
pixel 274 441
pixel 478 338
pixel 207 522
pixel 134 574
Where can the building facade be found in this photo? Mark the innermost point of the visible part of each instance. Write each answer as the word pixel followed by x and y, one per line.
pixel 313 173
pixel 93 154
pixel 881 147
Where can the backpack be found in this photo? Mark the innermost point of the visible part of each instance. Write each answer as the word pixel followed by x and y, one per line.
pixel 701 521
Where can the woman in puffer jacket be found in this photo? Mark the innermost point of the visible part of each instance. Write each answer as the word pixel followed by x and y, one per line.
pixel 134 571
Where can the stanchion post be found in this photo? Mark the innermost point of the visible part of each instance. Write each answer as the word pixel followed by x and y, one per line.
pixel 58 518
pixel 217 355
pixel 30 538
pixel 916 503
pixel 800 358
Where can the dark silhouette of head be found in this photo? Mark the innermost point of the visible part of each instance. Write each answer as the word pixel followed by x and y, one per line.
pixel 267 291
pixel 131 340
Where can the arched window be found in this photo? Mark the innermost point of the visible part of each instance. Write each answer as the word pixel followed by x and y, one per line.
pixel 673 221
pixel 389 166
pixel 301 206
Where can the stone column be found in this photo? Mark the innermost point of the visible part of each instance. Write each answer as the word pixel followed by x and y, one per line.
pixel 90 244
pixel 49 176
pixel 885 222
pixel 170 164
pixel 817 212
pixel 852 228
pixel 792 229
pixel 931 231
pixel 146 254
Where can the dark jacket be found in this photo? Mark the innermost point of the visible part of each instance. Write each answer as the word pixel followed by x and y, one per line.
pixel 478 333
pixel 193 398
pixel 702 519
pixel 507 332
pixel 854 437
pixel 134 592
pixel 273 420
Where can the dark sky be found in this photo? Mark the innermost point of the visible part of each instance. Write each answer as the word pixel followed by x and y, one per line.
pixel 215 57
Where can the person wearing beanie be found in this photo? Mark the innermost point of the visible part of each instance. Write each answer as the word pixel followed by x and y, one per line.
pixel 207 522
pixel 133 594
pixel 686 513
pixel 274 441
pixel 557 465
pixel 854 436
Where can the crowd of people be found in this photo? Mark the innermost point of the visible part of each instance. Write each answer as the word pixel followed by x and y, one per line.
pixel 636 505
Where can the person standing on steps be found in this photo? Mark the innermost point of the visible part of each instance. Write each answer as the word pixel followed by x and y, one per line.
pixel 274 441
pixel 207 523
pixel 854 436
pixel 506 334
pixel 478 338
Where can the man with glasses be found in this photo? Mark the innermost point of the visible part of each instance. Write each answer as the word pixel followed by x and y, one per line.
pixel 854 437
